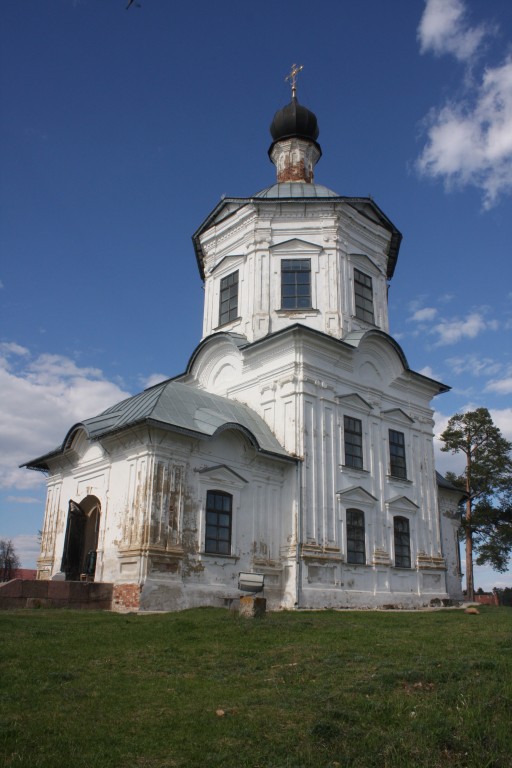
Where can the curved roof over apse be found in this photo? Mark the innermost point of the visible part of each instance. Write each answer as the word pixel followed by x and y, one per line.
pixel 179 408
pixel 236 339
pixel 355 338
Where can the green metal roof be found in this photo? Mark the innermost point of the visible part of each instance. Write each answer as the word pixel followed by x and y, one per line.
pixel 180 408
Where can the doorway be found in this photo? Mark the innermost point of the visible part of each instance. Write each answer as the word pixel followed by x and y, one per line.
pixel 81 539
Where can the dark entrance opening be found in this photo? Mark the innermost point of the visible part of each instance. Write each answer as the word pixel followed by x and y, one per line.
pixel 81 539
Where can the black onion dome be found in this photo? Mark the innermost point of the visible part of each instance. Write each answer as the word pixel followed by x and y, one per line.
pixel 294 121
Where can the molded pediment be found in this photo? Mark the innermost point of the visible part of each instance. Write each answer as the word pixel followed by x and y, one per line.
pixel 221 473
pixel 364 261
pixel 235 258
pixel 396 414
pixel 295 246
pixel 354 401
pixel 356 495
pixel 225 210
pixel 401 504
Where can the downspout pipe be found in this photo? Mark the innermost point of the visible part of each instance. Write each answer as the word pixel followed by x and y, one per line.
pixel 298 569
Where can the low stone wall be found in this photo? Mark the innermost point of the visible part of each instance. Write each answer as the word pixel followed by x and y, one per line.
pixel 487 598
pixel 20 593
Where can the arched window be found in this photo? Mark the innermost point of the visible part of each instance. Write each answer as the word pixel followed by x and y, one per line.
pixel 402 542
pixel 356 550
pixel 219 510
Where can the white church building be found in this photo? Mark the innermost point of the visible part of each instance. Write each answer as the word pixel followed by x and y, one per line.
pixel 298 443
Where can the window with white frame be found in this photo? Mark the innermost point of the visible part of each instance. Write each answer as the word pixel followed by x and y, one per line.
pixel 363 295
pixel 356 549
pixel 353 440
pixel 219 514
pixel 296 284
pixel 397 463
pixel 402 542
pixel 228 305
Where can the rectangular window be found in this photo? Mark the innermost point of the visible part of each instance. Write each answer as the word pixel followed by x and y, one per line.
pixel 228 298
pixel 219 506
pixel 353 432
pixel 296 284
pixel 355 537
pixel 363 296
pixel 402 542
pixel 397 466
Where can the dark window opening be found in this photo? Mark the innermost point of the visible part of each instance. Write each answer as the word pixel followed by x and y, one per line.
pixel 219 508
pixel 228 298
pixel 402 542
pixel 356 552
pixel 353 433
pixel 397 465
pixel 363 292
pixel 296 284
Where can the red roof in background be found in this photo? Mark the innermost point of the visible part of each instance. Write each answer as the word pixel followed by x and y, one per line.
pixel 24 573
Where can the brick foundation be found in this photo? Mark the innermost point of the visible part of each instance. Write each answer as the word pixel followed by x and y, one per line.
pixel 126 597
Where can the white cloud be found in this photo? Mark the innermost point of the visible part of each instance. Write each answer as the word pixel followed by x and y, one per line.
pixel 424 315
pixel 502 417
pixel 11 348
pixel 444 29
pixel 41 399
pixel 445 462
pixel 469 139
pixel 500 386
pixel 154 378
pixel 469 327
pixel 475 365
pixel 23 500
pixel 426 371
pixel 27 548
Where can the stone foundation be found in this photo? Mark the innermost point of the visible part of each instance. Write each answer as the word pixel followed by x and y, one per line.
pixel 55 594
pixel 252 607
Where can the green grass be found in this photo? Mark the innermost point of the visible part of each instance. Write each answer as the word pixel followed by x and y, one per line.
pixel 297 690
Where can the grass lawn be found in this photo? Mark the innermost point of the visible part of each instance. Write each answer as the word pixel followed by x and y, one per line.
pixel 292 690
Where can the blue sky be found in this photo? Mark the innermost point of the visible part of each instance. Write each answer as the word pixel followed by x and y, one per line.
pixel 122 129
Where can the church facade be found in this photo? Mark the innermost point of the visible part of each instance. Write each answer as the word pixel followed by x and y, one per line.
pixel 298 443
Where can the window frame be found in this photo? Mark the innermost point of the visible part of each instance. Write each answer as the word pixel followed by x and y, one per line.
pixel 218 532
pixel 402 542
pixel 364 296
pixel 397 454
pixel 352 459
pixel 228 295
pixel 356 537
pixel 296 301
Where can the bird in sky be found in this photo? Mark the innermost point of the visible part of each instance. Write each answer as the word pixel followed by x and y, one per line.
pixel 132 2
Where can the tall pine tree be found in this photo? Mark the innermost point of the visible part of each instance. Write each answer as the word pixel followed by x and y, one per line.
pixel 487 486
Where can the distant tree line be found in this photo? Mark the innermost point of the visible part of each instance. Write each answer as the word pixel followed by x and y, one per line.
pixel 504 595
pixel 9 560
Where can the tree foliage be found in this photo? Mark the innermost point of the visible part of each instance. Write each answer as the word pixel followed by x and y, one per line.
pixel 9 560
pixel 486 483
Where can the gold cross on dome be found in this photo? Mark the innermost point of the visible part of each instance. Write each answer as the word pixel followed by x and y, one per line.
pixel 292 77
